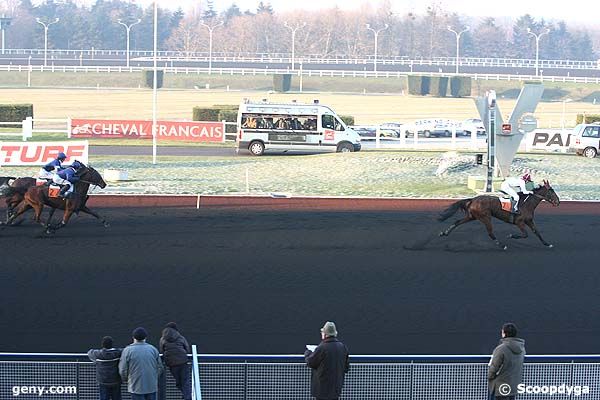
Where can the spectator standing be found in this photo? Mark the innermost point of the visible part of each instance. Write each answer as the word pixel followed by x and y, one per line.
pixel 140 367
pixel 107 369
pixel 506 366
pixel 175 348
pixel 329 363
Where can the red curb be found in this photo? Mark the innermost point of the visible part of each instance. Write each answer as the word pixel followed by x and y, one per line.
pixel 265 203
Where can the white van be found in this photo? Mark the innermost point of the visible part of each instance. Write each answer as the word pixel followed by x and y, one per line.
pixel 586 139
pixel 308 127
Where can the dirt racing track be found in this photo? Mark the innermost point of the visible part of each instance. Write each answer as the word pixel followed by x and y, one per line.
pixel 261 275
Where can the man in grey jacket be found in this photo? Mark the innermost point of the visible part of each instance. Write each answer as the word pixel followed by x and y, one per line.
pixel 140 367
pixel 107 369
pixel 506 366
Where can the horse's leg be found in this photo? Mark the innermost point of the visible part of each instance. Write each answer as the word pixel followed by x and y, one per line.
pixel 49 221
pixel 24 206
pixel 86 210
pixel 523 235
pixel 487 221
pixel 458 222
pixel 66 217
pixel 534 229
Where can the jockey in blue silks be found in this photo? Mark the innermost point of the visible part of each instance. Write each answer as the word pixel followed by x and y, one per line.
pixel 67 177
pixel 54 166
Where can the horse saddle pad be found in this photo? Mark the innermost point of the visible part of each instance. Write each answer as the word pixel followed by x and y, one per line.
pixel 40 181
pixel 54 191
pixel 506 203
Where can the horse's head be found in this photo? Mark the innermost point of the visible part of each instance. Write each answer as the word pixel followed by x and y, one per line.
pixel 90 175
pixel 547 193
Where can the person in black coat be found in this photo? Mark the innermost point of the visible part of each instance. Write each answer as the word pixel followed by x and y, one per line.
pixel 175 349
pixel 329 363
pixel 107 369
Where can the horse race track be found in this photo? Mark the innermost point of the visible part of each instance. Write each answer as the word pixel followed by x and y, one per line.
pixel 264 282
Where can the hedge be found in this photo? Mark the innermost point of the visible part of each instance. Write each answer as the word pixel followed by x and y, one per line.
pixel 16 113
pixel 460 86
pixel 348 119
pixel 414 85
pixel 282 82
pixel 589 118
pixel 148 78
pixel 219 112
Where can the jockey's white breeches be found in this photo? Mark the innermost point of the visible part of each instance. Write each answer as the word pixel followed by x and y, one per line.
pixel 505 187
pixel 60 181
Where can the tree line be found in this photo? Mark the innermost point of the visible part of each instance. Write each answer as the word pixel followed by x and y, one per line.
pixel 324 32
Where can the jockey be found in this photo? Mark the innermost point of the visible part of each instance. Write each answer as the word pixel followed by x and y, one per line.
pixel 513 185
pixel 67 177
pixel 54 166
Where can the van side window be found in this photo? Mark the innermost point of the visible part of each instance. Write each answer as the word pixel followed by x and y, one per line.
pixel 328 121
pixel 591 132
pixel 248 121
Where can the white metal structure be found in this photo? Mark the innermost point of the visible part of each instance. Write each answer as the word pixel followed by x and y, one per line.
pixel 307 127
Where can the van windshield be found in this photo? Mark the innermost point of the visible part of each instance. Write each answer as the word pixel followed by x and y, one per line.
pixel 331 122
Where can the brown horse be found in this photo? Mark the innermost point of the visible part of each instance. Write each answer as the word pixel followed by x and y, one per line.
pixel 14 189
pixel 483 208
pixel 37 197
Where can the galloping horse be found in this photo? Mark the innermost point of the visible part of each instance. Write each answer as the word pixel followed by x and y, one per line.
pixel 483 208
pixel 37 196
pixel 14 190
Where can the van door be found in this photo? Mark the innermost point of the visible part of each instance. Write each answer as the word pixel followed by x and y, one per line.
pixel 333 130
pixel 590 137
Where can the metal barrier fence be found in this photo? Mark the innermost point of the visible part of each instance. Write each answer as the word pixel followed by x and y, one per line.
pixel 285 377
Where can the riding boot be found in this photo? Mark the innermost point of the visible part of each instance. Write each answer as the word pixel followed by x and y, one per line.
pixel 63 190
pixel 515 208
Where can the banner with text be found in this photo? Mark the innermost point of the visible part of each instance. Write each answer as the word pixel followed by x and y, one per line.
pixel 137 129
pixel 40 153
pixel 553 140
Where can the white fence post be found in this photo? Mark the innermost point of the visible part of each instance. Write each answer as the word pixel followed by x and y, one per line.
pixel 377 138
pixel 224 129
pixel 196 390
pixel 27 128
pixel 69 127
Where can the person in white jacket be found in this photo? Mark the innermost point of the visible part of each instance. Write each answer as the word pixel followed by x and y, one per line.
pixel 513 185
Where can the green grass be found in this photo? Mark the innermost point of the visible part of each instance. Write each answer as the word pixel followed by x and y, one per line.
pixel 178 104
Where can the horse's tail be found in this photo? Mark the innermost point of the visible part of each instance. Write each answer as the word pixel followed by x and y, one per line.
pixel 454 207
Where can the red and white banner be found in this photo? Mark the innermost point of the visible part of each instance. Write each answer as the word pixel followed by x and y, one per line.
pixel 136 129
pixel 40 153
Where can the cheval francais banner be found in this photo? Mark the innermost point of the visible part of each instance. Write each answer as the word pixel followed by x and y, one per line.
pixel 40 153
pixel 137 129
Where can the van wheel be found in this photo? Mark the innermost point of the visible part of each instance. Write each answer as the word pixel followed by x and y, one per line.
pixel 427 134
pixel 345 148
pixel 590 152
pixel 257 148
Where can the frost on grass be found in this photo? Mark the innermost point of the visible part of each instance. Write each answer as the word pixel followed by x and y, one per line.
pixel 389 174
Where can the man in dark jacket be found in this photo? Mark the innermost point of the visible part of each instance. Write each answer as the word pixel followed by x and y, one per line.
pixel 506 366
pixel 175 349
pixel 107 369
pixel 329 363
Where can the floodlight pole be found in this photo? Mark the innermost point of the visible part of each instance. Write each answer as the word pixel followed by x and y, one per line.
pixel 128 29
pixel 46 26
pixel 537 47
pixel 298 26
pixel 491 96
pixel 458 34
pixel 154 84
pixel 376 34
pixel 210 41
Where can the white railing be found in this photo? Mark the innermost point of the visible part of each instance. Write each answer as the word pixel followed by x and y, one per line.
pixel 309 73
pixel 29 126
